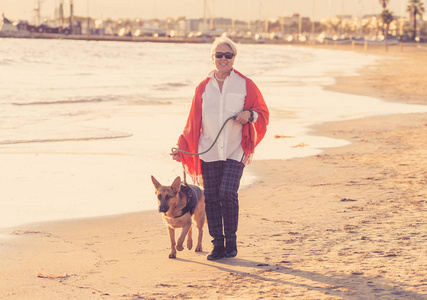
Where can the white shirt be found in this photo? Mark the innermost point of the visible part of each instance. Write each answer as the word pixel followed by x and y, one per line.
pixel 217 107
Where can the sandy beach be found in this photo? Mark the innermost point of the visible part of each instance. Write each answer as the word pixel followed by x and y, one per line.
pixel 346 224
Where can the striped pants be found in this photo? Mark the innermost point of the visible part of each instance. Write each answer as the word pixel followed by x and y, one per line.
pixel 221 180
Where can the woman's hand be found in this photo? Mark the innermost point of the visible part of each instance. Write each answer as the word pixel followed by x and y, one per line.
pixel 243 117
pixel 175 155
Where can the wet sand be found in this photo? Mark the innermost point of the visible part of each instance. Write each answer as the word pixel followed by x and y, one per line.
pixel 346 224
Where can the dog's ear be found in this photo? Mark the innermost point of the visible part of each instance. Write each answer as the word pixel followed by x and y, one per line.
pixel 155 182
pixel 176 185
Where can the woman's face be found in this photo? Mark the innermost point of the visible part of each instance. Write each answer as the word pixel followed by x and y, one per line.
pixel 223 65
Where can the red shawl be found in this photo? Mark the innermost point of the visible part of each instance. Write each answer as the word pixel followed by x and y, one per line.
pixel 252 133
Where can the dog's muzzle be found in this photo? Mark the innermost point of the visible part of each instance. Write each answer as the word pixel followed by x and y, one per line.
pixel 163 209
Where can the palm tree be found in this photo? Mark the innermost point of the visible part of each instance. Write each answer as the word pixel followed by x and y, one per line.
pixel 415 8
pixel 383 3
pixel 386 17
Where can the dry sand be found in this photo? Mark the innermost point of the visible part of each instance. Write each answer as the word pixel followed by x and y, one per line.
pixel 347 224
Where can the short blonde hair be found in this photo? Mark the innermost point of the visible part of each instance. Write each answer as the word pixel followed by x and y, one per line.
pixel 222 40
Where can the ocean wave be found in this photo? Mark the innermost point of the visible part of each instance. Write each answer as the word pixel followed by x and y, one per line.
pixel 169 85
pixel 122 99
pixel 54 140
pixel 71 101
pixel 151 102
pixel 7 61
pixel 84 74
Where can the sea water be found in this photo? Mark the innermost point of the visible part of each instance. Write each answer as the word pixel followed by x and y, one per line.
pixel 84 124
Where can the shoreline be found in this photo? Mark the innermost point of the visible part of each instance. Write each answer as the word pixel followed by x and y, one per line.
pixel 136 39
pixel 209 39
pixel 383 84
pixel 322 227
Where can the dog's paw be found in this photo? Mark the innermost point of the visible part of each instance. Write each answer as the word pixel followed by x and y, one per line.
pixel 172 255
pixel 179 247
pixel 189 245
pixel 199 249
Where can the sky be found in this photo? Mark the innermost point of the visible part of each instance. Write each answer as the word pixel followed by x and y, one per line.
pixel 162 9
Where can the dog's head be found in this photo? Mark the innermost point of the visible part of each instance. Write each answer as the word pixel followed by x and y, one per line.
pixel 166 194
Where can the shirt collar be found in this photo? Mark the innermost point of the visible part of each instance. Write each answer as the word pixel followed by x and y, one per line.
pixel 211 74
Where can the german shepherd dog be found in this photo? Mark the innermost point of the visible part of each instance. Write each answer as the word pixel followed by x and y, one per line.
pixel 179 204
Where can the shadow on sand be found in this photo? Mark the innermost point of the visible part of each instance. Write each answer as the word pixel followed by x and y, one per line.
pixel 347 286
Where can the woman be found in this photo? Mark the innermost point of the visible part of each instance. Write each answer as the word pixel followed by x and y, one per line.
pixel 223 94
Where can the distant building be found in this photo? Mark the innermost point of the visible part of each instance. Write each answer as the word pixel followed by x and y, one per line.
pixel 189 26
pixel 294 24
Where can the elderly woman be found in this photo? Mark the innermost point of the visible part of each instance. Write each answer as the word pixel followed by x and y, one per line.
pixel 223 94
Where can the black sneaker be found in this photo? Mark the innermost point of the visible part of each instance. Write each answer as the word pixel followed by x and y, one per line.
pixel 231 249
pixel 216 253
pixel 231 253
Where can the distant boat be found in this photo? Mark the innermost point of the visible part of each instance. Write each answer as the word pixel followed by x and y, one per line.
pixel 336 40
pixel 8 26
pixel 25 30
pixel 152 31
pixel 363 41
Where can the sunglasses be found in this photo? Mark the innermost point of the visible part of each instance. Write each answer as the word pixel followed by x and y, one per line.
pixel 228 55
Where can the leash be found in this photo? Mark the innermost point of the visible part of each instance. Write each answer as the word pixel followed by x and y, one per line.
pixel 200 153
pixel 217 136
